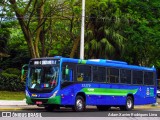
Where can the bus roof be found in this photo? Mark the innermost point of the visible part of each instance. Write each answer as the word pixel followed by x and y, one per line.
pixel 108 63
pixel 99 62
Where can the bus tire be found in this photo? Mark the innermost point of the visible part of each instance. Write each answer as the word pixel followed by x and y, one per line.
pixel 103 108
pixel 129 104
pixel 80 104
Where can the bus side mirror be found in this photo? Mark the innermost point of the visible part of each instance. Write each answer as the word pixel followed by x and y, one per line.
pixel 24 71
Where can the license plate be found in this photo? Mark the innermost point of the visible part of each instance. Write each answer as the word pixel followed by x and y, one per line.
pixel 38 102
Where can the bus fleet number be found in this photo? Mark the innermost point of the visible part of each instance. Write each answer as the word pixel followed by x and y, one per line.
pixel 86 85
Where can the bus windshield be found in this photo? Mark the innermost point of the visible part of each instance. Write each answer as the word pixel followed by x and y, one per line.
pixel 43 77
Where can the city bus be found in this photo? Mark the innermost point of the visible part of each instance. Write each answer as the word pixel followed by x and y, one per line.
pixel 55 82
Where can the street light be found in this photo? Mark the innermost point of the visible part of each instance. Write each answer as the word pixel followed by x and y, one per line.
pixel 82 31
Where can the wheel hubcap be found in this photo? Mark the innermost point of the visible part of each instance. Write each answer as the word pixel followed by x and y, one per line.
pixel 79 104
pixel 129 103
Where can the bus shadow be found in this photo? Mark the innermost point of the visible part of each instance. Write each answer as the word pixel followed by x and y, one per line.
pixel 69 110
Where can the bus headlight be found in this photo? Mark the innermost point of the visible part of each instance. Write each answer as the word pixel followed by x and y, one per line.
pixel 54 94
pixel 27 94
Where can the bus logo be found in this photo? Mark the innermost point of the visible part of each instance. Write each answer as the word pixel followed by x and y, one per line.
pixel 91 89
pixel 86 85
pixel 34 95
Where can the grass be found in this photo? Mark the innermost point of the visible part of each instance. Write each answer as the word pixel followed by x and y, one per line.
pixel 7 95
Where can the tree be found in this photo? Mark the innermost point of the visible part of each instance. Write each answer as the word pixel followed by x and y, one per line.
pixel 142 32
pixel 4 30
pixel 4 36
pixel 33 21
pixel 104 38
pixel 66 27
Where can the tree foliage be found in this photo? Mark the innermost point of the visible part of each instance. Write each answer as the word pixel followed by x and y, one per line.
pixel 103 36
pixel 4 36
pixel 142 32
pixel 114 29
pixel 35 22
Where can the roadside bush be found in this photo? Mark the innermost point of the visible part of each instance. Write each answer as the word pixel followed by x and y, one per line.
pixel 13 71
pixel 10 80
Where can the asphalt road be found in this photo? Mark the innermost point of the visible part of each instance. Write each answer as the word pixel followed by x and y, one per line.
pixel 140 113
pixel 148 112
pixel 91 111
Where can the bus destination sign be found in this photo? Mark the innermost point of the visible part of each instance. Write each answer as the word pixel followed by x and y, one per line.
pixel 45 62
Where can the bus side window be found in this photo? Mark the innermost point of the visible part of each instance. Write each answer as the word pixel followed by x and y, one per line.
pixel 112 75
pixel 83 73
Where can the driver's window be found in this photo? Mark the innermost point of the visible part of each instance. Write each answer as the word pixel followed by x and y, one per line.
pixel 35 76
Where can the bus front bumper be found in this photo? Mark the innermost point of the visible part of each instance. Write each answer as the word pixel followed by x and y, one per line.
pixel 43 101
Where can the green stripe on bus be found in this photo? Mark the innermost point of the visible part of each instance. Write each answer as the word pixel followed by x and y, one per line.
pixel 82 61
pixel 104 91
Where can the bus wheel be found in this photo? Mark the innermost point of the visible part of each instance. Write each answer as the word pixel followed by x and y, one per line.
pixel 103 108
pixel 80 105
pixel 129 104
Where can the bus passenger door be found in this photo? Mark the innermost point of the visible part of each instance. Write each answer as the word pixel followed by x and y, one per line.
pixel 67 91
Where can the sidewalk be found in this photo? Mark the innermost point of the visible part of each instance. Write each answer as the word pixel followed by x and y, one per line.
pixel 16 105
pixel 12 102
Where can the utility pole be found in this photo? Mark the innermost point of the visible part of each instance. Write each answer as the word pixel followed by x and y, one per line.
pixel 82 31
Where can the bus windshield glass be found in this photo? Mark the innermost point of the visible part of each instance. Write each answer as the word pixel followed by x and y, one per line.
pixel 43 77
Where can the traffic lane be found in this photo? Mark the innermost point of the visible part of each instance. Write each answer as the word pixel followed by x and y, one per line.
pixel 63 109
pixel 114 112
pixel 35 107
